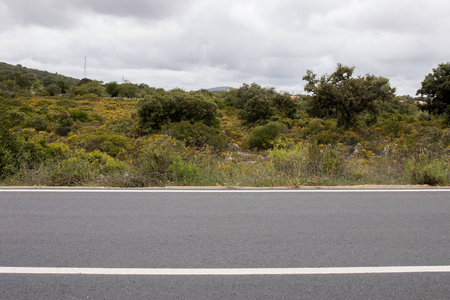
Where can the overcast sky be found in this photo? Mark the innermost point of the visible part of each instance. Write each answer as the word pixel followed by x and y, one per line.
pixel 193 44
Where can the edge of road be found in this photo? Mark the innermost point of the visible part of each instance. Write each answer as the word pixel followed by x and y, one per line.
pixel 352 187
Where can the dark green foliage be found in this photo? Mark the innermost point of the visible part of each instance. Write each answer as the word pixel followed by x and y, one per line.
pixel 128 90
pixel 341 96
pixel 257 109
pixel 84 81
pixel 263 137
pixel 63 85
pixel 9 152
pixel 79 115
pixel 16 153
pixel 38 122
pixel 87 86
pixel 64 125
pixel 14 117
pixel 246 92
pixel 198 135
pixel 67 103
pixel 176 106
pixel 284 105
pixel 258 105
pixel 23 80
pixel 112 89
pixel 436 86
pixel 53 89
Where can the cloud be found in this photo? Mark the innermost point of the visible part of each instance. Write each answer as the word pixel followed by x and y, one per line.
pixel 55 13
pixel 201 43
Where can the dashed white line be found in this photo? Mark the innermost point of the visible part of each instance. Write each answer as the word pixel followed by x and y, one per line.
pixel 226 272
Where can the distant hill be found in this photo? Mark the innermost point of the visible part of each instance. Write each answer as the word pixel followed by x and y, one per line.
pixel 219 89
pixel 6 70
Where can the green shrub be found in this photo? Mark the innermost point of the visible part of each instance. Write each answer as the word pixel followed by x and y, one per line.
pixel 64 125
pixel 58 150
pixel 67 103
pixel 429 172
pixel 198 135
pixel 289 161
pixel 38 122
pixel 103 140
pixel 79 115
pixel 9 153
pixel 160 161
pixel 44 102
pixel 257 110
pixel 161 109
pixel 324 160
pixel 16 153
pixel 396 128
pixel 263 137
pixel 16 117
pixel 123 126
pixel 10 102
pixel 83 168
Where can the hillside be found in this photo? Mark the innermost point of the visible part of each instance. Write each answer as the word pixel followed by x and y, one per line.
pixel 128 135
pixel 7 70
pixel 220 89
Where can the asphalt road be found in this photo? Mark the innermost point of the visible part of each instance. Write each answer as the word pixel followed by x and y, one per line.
pixel 204 230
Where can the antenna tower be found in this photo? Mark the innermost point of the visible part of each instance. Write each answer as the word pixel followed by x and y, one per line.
pixel 85 70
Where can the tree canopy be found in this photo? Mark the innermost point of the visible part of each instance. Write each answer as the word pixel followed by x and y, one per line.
pixel 342 96
pixel 436 86
pixel 173 107
pixel 259 105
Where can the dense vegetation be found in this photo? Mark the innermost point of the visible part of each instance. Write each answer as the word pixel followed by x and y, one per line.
pixel 61 131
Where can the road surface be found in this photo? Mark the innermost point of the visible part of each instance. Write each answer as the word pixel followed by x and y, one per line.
pixel 224 244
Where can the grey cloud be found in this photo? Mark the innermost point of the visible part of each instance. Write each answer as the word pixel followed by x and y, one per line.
pixel 198 43
pixel 146 9
pixel 55 13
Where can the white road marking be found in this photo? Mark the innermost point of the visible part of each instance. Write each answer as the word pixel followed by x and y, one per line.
pixel 229 272
pixel 46 190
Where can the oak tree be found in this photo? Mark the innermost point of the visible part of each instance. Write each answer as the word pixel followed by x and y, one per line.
pixel 345 97
pixel 436 87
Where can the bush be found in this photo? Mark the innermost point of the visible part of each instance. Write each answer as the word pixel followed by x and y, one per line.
pixel 79 115
pixel 289 161
pixel 263 137
pixel 324 160
pixel 83 168
pixel 9 153
pixel 198 135
pixel 15 117
pixel 67 103
pixel 64 125
pixel 162 109
pixel 38 122
pixel 257 109
pixel 16 153
pixel 122 126
pixel 103 140
pixel 160 161
pixel 429 172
